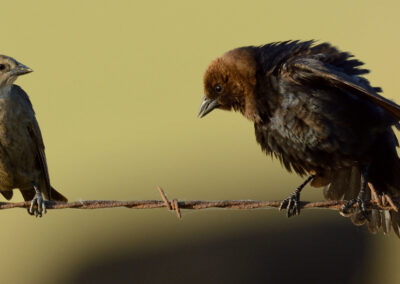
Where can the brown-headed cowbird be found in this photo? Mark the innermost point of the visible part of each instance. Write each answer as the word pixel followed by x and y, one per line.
pixel 22 159
pixel 313 110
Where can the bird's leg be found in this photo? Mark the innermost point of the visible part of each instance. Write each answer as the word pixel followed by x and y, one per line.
pixel 361 199
pixel 292 203
pixel 39 202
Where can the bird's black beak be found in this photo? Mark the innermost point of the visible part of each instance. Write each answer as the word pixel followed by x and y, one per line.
pixel 21 69
pixel 207 106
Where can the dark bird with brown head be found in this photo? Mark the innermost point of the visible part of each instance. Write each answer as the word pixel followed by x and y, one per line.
pixel 313 110
pixel 22 159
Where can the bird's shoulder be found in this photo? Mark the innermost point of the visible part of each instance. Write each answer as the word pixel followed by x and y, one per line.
pixel 304 68
pixel 324 67
pixel 274 57
pixel 19 95
pixel 27 115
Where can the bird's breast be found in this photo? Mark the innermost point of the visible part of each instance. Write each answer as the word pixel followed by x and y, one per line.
pixel 318 133
pixel 16 147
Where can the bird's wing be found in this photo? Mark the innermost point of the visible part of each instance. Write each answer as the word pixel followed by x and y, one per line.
pixel 36 135
pixel 311 69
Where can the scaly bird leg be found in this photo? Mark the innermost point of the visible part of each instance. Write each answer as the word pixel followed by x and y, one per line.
pixel 292 203
pixel 361 199
pixel 39 202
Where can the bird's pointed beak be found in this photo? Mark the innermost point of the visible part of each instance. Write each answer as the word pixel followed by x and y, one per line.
pixel 207 106
pixel 21 69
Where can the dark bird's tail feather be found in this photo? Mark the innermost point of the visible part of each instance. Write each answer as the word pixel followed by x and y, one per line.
pixel 385 178
pixel 7 194
pixel 56 196
pixel 395 217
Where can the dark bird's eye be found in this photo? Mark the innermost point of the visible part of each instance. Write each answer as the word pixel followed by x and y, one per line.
pixel 218 88
pixel 2 67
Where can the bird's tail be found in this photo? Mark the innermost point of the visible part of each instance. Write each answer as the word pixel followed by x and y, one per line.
pixel 56 196
pixel 384 187
pixel 346 185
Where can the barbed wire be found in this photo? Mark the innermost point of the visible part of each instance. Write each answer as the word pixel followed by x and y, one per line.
pixel 176 205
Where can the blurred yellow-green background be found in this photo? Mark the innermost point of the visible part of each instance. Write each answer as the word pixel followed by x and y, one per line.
pixel 116 88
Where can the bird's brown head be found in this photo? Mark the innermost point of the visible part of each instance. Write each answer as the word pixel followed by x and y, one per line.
pixel 10 69
pixel 229 82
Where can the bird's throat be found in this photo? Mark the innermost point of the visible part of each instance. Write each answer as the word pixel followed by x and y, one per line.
pixel 5 91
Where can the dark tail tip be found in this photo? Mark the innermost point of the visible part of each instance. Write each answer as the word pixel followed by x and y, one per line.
pixel 56 196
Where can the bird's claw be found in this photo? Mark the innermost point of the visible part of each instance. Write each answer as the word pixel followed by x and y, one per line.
pixel 291 204
pixel 362 206
pixel 38 205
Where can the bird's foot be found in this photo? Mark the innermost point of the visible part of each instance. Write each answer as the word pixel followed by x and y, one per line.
pixel 291 204
pixel 362 206
pixel 38 205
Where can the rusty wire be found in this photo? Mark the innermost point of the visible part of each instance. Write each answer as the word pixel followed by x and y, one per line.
pixel 188 204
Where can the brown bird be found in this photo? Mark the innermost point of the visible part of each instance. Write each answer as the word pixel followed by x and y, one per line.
pixel 313 110
pixel 22 159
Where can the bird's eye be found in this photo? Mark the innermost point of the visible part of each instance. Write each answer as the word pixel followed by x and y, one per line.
pixel 218 88
pixel 2 67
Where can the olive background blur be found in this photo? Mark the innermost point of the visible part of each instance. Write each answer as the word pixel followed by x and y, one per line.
pixel 116 88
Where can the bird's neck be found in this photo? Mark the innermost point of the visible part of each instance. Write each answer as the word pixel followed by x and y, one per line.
pixel 246 103
pixel 248 108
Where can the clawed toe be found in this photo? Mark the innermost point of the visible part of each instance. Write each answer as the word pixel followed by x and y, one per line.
pixel 38 205
pixel 291 204
pixel 362 206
